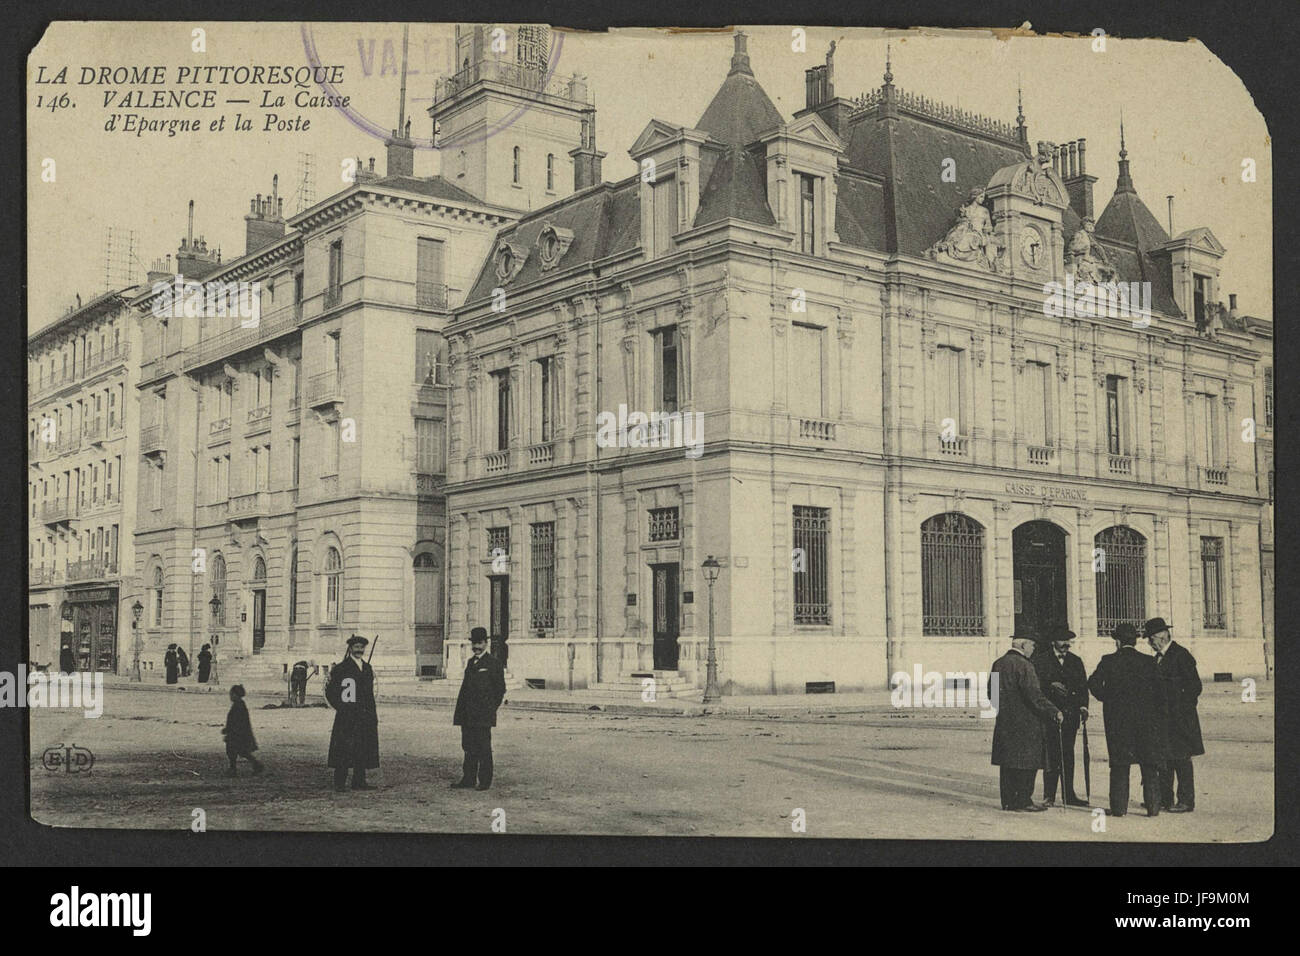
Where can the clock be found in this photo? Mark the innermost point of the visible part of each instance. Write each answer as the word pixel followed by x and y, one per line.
pixel 1033 249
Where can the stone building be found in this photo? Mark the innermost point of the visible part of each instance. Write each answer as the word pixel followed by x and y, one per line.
pixel 879 391
pixel 81 454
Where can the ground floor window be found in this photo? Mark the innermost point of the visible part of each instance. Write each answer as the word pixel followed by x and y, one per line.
pixel 1120 560
pixel 812 532
pixel 543 571
pixel 1212 583
pixel 952 575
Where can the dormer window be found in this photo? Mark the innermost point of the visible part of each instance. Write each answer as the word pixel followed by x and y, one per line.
pixel 663 202
pixel 807 213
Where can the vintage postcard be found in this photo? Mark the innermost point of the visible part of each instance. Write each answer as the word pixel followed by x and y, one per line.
pixel 773 431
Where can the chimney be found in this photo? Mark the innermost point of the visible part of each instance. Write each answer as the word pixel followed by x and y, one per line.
pixel 1232 303
pixel 193 259
pixel 1074 173
pixel 1170 200
pixel 264 224
pixel 401 150
pixel 820 98
pixel 586 158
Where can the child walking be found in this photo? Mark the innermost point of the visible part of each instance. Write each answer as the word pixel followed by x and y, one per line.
pixel 239 732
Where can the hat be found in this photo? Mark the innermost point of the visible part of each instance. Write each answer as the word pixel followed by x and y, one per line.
pixel 477 634
pixel 1060 632
pixel 1024 635
pixel 1154 626
pixel 357 639
pixel 1125 633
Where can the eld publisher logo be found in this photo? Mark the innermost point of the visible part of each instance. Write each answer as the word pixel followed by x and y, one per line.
pixel 71 759
pixel 102 909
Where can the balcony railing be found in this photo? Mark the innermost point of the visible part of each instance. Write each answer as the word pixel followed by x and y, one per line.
pixel 92 431
pixel 956 447
pixel 92 569
pixel 430 295
pixel 252 505
pixel 1041 454
pixel 541 454
pixel 220 426
pixel 56 512
pixel 259 416
pixel 323 389
pixel 333 296
pixel 151 438
pixel 426 484
pixel 110 356
pixel 496 461
pixel 40 576
pixel 816 430
pixel 1121 465
pixel 1215 476
pixel 531 78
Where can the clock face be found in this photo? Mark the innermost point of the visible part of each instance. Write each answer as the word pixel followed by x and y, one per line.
pixel 1032 247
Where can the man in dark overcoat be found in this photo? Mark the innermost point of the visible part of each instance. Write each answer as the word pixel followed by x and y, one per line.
pixel 1129 688
pixel 1182 689
pixel 481 693
pixel 172 663
pixel 1065 683
pixel 354 742
pixel 205 663
pixel 1022 711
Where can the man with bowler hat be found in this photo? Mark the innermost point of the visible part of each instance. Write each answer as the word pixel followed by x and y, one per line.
pixel 1182 688
pixel 354 742
pixel 1128 686
pixel 481 693
pixel 1065 684
pixel 1019 728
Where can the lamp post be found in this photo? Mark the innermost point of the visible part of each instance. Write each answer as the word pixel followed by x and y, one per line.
pixel 215 604
pixel 712 694
pixel 136 610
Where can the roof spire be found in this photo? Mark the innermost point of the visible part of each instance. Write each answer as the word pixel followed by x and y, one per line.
pixel 740 58
pixel 1123 184
pixel 889 77
pixel 1022 131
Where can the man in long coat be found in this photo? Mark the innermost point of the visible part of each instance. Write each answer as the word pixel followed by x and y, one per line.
pixel 1018 731
pixel 1128 686
pixel 354 741
pixel 172 663
pixel 481 693
pixel 1065 683
pixel 1182 688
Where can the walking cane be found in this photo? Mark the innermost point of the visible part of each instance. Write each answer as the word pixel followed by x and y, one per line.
pixel 1087 764
pixel 1060 762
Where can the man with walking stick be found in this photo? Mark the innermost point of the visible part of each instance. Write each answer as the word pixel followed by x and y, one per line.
pixel 354 741
pixel 1065 683
pixel 1023 718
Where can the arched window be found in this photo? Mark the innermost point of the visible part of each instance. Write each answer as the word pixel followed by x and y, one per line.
pixel 332 590
pixel 259 569
pixel 515 175
pixel 550 171
pixel 293 587
pixel 218 576
pixel 156 617
pixel 1120 561
pixel 952 575
pixel 428 590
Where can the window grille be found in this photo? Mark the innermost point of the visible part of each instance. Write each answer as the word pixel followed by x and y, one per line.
pixel 1121 587
pixel 952 576
pixel 812 530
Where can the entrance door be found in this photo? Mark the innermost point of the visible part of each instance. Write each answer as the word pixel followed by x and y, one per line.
pixel 499 616
pixel 1038 566
pixel 666 597
pixel 259 620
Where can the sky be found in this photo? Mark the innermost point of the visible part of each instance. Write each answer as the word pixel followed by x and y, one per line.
pixel 1189 123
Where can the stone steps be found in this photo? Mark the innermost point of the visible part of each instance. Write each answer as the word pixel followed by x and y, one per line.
pixel 668 685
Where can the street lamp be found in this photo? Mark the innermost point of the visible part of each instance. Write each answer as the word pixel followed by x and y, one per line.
pixel 712 694
pixel 136 610
pixel 215 604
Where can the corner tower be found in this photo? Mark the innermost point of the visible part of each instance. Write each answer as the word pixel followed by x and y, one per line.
pixel 507 123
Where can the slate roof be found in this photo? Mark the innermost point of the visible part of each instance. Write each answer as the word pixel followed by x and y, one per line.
pixel 736 189
pixel 1129 232
pixel 740 111
pixel 434 187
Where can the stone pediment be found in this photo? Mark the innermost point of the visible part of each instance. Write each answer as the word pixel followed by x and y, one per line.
pixel 1201 238
pixel 1032 180
pixel 655 134
pixel 811 128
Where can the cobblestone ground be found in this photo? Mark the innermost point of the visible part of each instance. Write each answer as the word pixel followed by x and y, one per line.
pixel 903 775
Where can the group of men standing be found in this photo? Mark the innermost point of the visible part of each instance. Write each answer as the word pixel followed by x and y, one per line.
pixel 1149 715
pixel 354 741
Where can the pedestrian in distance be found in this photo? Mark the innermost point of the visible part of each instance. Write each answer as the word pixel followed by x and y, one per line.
pixel 298 684
pixel 1018 731
pixel 67 660
pixel 183 660
pixel 1129 688
pixel 1182 689
pixel 1065 683
pixel 481 692
pixel 354 741
pixel 172 663
pixel 239 733
pixel 205 663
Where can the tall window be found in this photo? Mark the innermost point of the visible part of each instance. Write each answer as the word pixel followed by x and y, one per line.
pixel 1268 396
pixel 293 587
pixel 948 388
pixel 1037 411
pixel 1121 586
pixel 543 399
pixel 332 596
pixel 430 279
pixel 333 443
pixel 667 358
pixel 428 591
pixel 333 352
pixel 157 616
pixel 515 164
pixel 550 172
pixel 335 267
pixel 1201 299
pixel 1209 431
pixel 806 386
pixel 663 203
pixel 543 572
pixel 426 357
pixel 952 575
pixel 502 378
pixel 807 213
pixel 297 459
pixel 218 576
pixel 1212 583
pixel 1114 441
pixel 812 531
pixel 428 446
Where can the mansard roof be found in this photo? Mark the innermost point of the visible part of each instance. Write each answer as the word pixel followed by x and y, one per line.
pixel 736 189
